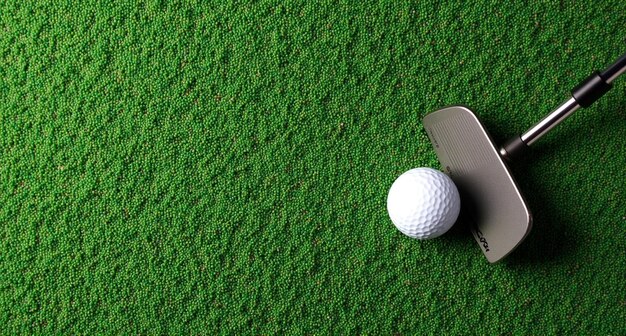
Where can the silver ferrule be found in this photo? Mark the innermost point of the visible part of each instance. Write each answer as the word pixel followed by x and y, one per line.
pixel 550 121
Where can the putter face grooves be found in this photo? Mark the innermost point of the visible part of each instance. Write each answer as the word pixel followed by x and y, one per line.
pixel 463 161
pixel 501 220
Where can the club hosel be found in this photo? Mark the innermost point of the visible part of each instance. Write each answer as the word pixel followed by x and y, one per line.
pixel 583 95
pixel 513 149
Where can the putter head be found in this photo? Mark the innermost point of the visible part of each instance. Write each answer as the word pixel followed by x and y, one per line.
pixel 489 195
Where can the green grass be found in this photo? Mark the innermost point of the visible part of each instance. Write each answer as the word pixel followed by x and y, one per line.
pixel 222 167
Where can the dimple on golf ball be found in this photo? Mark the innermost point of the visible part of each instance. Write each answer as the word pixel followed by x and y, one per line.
pixel 423 203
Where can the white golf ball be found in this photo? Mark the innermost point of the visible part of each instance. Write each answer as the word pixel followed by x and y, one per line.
pixel 423 203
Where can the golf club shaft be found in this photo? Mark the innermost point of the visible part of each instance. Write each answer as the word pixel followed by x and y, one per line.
pixel 616 69
pixel 550 121
pixel 585 94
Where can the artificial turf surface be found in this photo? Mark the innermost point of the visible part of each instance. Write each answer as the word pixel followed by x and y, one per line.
pixel 222 167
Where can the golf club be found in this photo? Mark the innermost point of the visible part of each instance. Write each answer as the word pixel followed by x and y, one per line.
pixel 490 196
